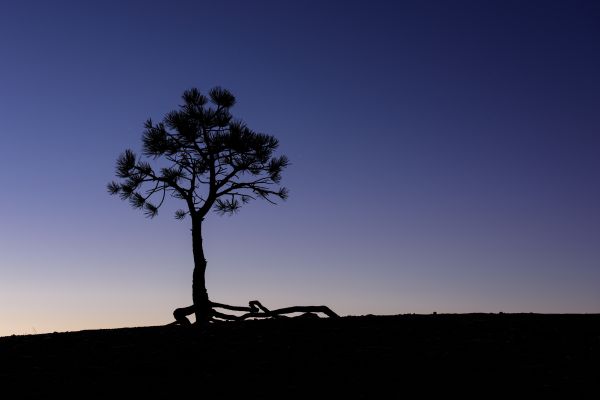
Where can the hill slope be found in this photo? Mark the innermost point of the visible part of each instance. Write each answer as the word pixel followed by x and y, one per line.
pixel 356 357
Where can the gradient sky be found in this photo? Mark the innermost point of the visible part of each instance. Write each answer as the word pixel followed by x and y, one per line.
pixel 445 157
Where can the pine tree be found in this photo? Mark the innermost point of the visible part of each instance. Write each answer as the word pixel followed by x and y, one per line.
pixel 213 162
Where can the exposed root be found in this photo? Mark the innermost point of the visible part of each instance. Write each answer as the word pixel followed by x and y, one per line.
pixel 254 310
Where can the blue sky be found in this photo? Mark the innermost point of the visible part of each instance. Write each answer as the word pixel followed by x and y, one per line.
pixel 444 157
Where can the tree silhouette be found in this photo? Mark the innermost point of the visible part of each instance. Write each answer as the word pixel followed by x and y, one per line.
pixel 210 161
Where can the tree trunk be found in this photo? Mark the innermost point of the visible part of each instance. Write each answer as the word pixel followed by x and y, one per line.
pixel 202 307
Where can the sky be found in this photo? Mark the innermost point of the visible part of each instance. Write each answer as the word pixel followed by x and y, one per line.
pixel 444 157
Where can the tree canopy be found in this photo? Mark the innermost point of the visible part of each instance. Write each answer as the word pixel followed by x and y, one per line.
pixel 209 159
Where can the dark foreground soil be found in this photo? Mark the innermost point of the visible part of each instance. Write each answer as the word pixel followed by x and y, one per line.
pixel 351 357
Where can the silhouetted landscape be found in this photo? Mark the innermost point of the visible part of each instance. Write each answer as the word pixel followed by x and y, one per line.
pixel 385 157
pixel 357 357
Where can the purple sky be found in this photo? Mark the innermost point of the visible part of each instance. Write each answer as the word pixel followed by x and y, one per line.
pixel 445 157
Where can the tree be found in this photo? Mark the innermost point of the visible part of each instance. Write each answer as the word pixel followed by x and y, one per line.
pixel 210 161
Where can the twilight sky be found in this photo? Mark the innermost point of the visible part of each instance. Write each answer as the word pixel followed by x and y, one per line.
pixel 445 157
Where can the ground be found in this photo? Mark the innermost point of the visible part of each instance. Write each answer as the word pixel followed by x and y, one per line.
pixel 348 357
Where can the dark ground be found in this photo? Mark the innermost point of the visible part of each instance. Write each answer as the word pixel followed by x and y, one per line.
pixel 356 357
